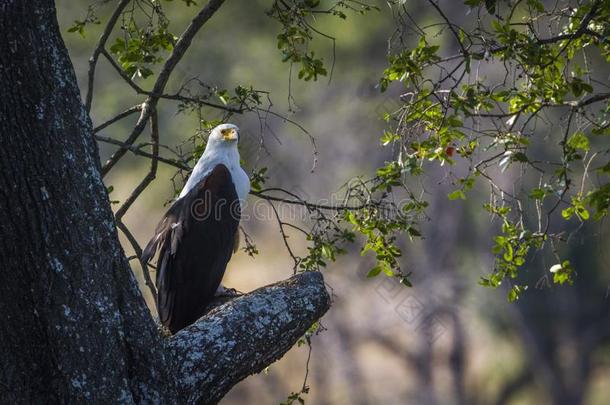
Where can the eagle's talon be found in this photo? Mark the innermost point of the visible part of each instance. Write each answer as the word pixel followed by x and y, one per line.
pixel 227 292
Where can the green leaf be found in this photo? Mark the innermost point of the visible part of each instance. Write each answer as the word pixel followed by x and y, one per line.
pixel 567 213
pixel 563 273
pixel 537 194
pixel 405 281
pixel 519 157
pixel 582 213
pixel 579 141
pixel 515 292
pixel 457 194
pixel 374 272
pixel 508 253
pixel 388 138
pixel 327 251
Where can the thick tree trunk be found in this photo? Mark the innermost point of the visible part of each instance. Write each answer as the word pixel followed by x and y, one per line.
pixel 74 326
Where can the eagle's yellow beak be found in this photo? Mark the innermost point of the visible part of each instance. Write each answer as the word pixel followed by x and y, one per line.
pixel 229 134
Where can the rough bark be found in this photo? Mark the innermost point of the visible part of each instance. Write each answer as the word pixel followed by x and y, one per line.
pixel 252 331
pixel 74 326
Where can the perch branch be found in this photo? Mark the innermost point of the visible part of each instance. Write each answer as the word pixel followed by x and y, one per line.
pixel 245 335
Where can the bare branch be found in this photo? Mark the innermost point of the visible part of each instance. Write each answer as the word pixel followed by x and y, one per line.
pixel 122 73
pixel 138 251
pixel 183 44
pixel 198 101
pixel 245 335
pixel 593 99
pixel 99 48
pixel 281 224
pixel 450 25
pixel 119 117
pixel 152 173
pixel 150 176
pixel 139 152
pixel 299 201
pixel 137 130
pixel 582 30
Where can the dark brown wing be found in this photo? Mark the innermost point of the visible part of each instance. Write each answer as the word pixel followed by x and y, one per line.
pixel 195 239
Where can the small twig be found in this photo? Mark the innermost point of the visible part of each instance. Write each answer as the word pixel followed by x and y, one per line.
pixel 305 389
pixel 152 173
pixel 199 101
pixel 451 27
pixel 138 251
pixel 312 140
pixel 285 238
pixel 137 130
pixel 309 205
pixel 139 152
pixel 566 186
pixel 99 48
pixel 122 73
pixel 119 117
pixel 183 44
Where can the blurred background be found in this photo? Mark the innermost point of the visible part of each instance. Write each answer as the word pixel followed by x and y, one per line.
pixel 446 340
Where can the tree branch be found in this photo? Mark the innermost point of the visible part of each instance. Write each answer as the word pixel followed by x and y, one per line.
pixel 136 150
pixel 138 254
pixel 582 30
pixel 99 48
pixel 245 335
pixel 122 73
pixel 184 42
pixel 137 130
pixel 152 173
pixel 118 117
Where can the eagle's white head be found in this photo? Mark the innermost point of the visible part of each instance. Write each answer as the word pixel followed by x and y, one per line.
pixel 221 149
pixel 223 136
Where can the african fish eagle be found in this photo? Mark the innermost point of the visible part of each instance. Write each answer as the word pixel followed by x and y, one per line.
pixel 199 233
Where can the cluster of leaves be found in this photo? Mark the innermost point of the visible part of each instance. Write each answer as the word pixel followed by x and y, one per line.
pixel 326 240
pixel 511 249
pixel 296 396
pixel 143 42
pixel 145 35
pixel 453 115
pixel 80 25
pixel 297 32
pixel 369 215
pixel 381 230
